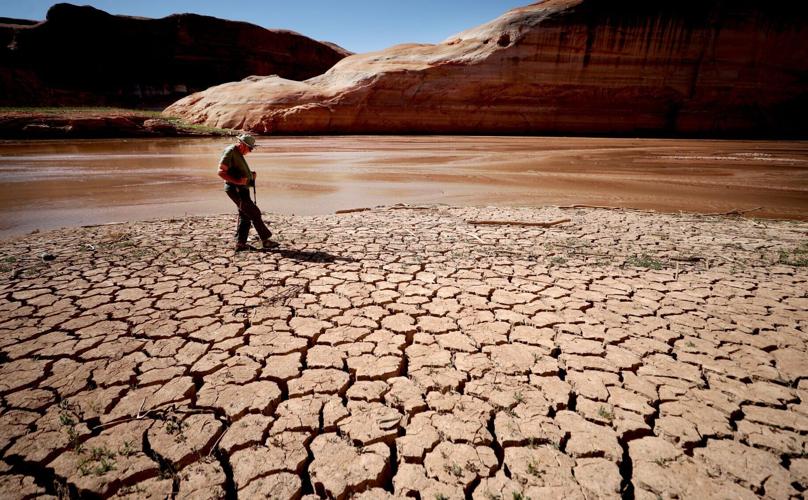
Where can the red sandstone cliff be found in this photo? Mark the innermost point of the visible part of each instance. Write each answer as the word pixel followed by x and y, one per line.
pixel 708 67
pixel 84 56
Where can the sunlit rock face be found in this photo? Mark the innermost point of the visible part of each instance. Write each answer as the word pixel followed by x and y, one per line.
pixel 84 56
pixel 707 67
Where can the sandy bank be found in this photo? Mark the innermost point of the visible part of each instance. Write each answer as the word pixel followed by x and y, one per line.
pixel 405 349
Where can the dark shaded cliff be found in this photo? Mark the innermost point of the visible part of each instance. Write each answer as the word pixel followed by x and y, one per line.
pixel 625 67
pixel 84 56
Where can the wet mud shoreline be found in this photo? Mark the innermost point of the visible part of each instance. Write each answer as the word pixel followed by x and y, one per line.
pixel 49 184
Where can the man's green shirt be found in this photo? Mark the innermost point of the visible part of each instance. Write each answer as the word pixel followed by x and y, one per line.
pixel 236 163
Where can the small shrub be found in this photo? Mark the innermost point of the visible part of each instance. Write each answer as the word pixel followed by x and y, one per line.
pixel 454 469
pixel 605 413
pixel 66 420
pixel 175 427
pixel 127 449
pixel 797 257
pixel 644 261
pixel 73 436
pixel 533 470
pixel 100 461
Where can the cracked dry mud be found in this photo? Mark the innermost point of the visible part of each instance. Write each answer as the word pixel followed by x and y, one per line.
pixel 403 351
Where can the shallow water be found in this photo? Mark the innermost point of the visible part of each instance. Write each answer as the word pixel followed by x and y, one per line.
pixel 49 184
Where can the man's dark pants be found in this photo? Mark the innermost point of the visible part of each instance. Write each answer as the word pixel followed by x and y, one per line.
pixel 248 214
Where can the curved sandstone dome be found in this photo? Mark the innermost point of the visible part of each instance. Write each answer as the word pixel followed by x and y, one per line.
pixel 559 66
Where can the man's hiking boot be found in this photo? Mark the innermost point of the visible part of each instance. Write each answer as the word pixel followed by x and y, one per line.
pixel 267 244
pixel 243 247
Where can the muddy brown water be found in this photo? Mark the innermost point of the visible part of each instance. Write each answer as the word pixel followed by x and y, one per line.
pixel 49 184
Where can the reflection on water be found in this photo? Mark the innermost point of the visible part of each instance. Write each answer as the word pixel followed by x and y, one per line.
pixel 47 184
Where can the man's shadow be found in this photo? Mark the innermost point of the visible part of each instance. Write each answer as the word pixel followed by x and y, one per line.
pixel 307 256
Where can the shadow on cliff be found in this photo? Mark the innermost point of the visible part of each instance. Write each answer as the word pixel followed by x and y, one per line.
pixel 83 56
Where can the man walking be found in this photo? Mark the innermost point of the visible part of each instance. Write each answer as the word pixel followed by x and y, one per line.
pixel 238 179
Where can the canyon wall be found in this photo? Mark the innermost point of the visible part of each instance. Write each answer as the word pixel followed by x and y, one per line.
pixel 624 67
pixel 83 56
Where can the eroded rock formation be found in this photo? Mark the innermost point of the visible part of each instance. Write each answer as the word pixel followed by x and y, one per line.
pixel 710 67
pixel 84 56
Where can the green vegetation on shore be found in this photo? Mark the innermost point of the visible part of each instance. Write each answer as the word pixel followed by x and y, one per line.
pixel 646 261
pixel 181 124
pixel 78 112
pixel 66 110
pixel 798 257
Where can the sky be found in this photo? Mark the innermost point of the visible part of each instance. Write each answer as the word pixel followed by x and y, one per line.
pixel 357 25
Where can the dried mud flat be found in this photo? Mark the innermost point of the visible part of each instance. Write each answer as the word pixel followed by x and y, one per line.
pixel 405 352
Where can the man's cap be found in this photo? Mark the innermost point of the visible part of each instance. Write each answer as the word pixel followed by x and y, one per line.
pixel 248 140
